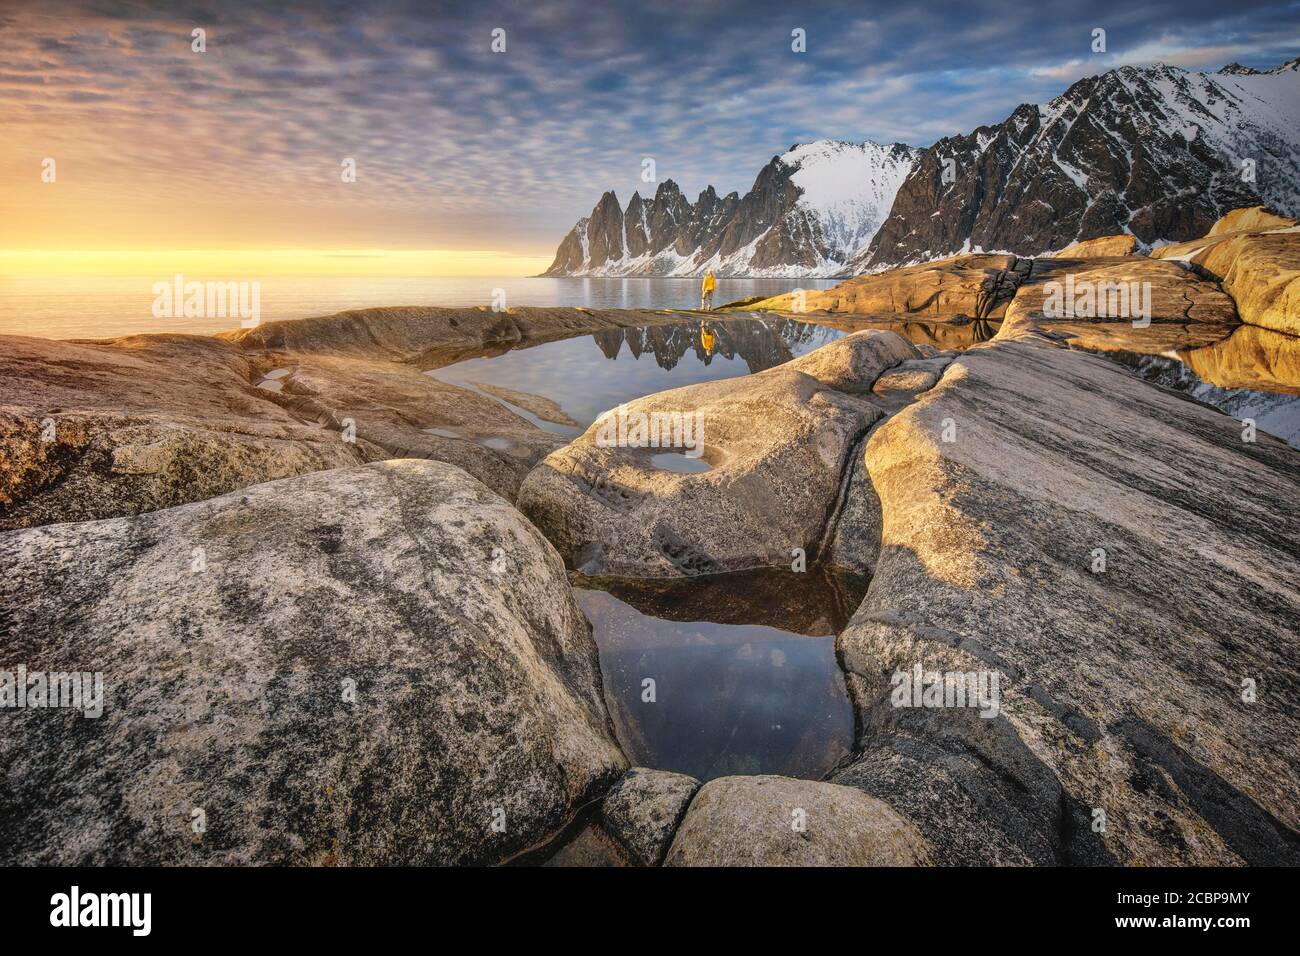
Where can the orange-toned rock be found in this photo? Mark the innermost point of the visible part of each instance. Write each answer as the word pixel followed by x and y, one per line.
pixel 1262 272
pixel 1251 357
pixel 1120 291
pixel 1255 254
pixel 1101 246
pixel 1250 219
pixel 978 286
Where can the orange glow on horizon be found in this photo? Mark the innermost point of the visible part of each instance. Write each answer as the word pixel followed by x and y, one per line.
pixel 268 262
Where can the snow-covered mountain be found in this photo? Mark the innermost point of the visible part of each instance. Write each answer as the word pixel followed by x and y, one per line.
pixel 810 211
pixel 1153 151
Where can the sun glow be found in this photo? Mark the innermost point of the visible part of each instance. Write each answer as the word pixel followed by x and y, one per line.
pixel 271 262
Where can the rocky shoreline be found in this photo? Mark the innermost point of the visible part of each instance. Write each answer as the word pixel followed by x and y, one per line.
pixel 337 626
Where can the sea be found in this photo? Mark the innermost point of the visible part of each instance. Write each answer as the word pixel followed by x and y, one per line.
pixel 110 306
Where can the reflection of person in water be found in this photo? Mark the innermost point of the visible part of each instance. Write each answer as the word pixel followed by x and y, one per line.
pixel 707 338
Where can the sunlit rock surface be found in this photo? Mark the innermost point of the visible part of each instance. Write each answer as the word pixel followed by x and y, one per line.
pixel 1129 568
pixel 1255 254
pixel 776 442
pixel 1103 246
pixel 124 426
pixel 978 286
pixel 1121 289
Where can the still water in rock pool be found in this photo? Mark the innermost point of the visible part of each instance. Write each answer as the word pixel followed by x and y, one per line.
pixel 743 666
pixel 590 374
pixel 726 674
pixel 709 676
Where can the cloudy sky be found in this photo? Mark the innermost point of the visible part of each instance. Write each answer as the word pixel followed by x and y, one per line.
pixel 492 156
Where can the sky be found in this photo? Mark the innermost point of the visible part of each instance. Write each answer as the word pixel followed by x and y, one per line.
pixel 470 161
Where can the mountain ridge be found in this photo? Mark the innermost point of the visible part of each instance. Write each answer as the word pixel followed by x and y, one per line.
pixel 811 210
pixel 1154 152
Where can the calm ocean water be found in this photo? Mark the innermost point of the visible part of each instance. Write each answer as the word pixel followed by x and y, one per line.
pixel 72 307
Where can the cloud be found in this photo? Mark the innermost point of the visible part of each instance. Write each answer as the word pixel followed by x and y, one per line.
pixel 457 146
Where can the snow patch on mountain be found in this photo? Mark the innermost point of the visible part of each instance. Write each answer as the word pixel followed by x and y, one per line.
pixel 848 187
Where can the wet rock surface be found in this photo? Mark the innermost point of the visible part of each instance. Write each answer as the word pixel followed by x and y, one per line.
pixel 780 821
pixel 643 809
pixel 372 665
pixel 544 408
pixel 777 443
pixel 1121 689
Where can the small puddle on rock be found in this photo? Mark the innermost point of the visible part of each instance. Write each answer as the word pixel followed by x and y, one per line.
pixel 590 846
pixel 497 444
pixel 679 462
pixel 271 380
pixel 745 679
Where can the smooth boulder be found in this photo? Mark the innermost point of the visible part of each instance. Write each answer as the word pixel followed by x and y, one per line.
pixel 775 443
pixel 381 664
pixel 976 286
pixel 783 821
pixel 643 809
pixel 1126 564
pixel 1255 254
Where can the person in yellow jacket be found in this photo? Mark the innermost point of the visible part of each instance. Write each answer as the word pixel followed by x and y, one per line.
pixel 706 291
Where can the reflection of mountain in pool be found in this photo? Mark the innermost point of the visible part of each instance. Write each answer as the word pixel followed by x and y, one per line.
pixel 628 363
pixel 762 344
pixel 731 694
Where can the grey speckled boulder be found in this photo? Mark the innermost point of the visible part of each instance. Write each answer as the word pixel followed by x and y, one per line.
pixel 644 808
pixel 781 821
pixel 777 443
pixel 369 665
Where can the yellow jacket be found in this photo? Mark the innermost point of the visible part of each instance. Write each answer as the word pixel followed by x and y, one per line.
pixel 710 283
